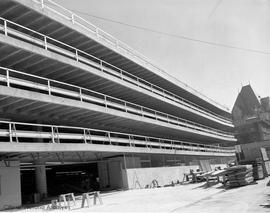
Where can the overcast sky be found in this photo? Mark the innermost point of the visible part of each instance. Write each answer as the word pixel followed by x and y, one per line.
pixel 217 72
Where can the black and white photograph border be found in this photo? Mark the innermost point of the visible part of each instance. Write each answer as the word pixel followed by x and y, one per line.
pixel 134 106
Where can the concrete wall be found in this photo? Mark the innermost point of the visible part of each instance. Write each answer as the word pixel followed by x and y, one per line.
pixel 110 174
pixel 131 162
pixel 115 174
pixel 103 174
pixel 10 185
pixel 140 177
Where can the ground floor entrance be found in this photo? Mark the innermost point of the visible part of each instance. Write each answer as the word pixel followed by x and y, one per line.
pixel 41 181
pixel 36 181
pixel 60 179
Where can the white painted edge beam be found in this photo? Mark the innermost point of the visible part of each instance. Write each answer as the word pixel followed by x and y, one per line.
pixel 55 147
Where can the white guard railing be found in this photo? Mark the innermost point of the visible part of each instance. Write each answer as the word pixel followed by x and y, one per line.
pixel 15 30
pixel 13 78
pixel 15 132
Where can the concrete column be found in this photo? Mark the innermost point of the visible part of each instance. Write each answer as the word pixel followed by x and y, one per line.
pixel 10 185
pixel 41 181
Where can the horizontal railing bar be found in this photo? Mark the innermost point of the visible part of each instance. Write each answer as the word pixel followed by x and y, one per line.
pixel 136 80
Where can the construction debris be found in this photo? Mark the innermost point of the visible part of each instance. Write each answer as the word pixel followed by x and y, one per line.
pixel 258 172
pixel 239 175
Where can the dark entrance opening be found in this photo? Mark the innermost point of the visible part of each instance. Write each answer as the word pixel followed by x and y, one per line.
pixel 28 187
pixel 77 178
pixel 61 179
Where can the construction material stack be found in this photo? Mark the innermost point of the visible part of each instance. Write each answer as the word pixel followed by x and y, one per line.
pixel 258 172
pixel 239 175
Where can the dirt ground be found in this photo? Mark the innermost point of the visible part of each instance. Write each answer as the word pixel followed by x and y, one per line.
pixel 182 198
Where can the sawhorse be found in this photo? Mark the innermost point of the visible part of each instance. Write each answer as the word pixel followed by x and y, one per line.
pixel 66 198
pixel 86 197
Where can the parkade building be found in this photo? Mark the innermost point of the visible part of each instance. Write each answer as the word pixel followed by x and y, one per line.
pixel 77 104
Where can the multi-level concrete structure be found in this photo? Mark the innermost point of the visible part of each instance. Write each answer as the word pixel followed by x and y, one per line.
pixel 72 93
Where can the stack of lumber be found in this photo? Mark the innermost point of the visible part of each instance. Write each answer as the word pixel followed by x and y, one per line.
pixel 258 171
pixel 239 175
pixel 257 165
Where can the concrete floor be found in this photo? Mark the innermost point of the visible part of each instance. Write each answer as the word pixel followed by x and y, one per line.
pixel 186 198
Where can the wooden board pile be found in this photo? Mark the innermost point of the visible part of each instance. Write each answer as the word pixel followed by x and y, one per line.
pixel 239 175
pixel 258 171
pixel 257 165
